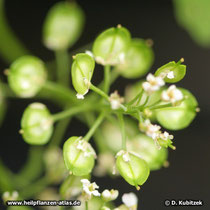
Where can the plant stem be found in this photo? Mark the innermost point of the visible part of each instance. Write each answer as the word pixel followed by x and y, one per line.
pixel 32 169
pixel 99 91
pixel 59 90
pixel 10 46
pixel 122 128
pixel 101 145
pixel 139 95
pixel 63 66
pixel 35 188
pixel 161 106
pixel 96 124
pixel 72 111
pixel 107 78
pixel 59 132
pixel 86 205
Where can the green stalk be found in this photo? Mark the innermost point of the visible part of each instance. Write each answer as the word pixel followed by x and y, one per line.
pixel 60 91
pixel 99 91
pixel 72 111
pixel 32 168
pixel 63 67
pixel 86 205
pixel 107 78
pixel 122 128
pixel 139 95
pixel 10 47
pixel 96 124
pixel 59 132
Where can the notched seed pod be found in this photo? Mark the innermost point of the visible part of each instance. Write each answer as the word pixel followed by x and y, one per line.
pixel 132 168
pixel 63 25
pixel 138 59
pixel 172 72
pixel 145 147
pixel 26 76
pixel 179 116
pixel 110 46
pixel 36 124
pixel 79 156
pixel 82 72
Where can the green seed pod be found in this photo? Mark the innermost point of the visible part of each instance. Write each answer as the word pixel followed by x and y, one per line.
pixel 172 72
pixel 180 116
pixel 194 18
pixel 27 76
pixel 144 146
pixel 110 46
pixel 112 135
pixel 79 156
pixel 82 72
pixel 63 25
pixel 36 124
pixel 132 168
pixel 138 59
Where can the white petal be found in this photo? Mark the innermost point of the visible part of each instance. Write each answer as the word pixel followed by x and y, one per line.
pixel 130 199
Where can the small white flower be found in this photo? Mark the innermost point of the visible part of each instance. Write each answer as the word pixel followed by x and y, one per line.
pixel 130 200
pixel 86 148
pixel 153 83
pixel 10 196
pixel 172 94
pixel 110 195
pixel 166 136
pixel 170 75
pixel 150 129
pixel 89 53
pixel 124 154
pixel 115 100
pixel 80 96
pixel 89 189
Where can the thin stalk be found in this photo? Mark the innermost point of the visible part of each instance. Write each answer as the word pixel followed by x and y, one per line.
pixel 63 66
pixel 96 124
pixel 161 106
pixel 99 91
pixel 122 128
pixel 60 90
pixel 86 205
pixel 107 78
pixel 10 46
pixel 72 111
pixel 59 132
pixel 139 95
pixel 35 187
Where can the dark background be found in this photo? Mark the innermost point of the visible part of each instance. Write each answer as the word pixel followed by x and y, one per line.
pixel 188 176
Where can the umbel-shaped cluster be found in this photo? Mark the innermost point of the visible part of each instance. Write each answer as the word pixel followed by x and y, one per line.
pixel 129 141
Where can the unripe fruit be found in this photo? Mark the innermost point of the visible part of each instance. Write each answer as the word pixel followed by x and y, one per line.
pixel 63 25
pixel 132 168
pixel 138 59
pixel 82 71
pixel 145 147
pixel 36 124
pixel 112 135
pixel 79 156
pixel 172 72
pixel 110 46
pixel 180 116
pixel 27 76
